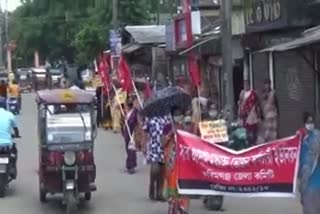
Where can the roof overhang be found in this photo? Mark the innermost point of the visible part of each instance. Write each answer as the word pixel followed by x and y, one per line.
pixel 309 37
pixel 199 43
pixel 147 34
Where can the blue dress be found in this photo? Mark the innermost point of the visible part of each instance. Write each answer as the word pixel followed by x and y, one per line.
pixel 309 173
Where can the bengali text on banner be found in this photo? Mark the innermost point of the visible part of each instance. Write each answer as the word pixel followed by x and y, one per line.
pixel 268 170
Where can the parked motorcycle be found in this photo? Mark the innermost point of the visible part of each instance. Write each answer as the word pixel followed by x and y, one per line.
pixel 237 137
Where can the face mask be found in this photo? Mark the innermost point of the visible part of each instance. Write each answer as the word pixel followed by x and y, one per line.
pixel 188 120
pixel 309 126
pixel 178 119
pixel 213 113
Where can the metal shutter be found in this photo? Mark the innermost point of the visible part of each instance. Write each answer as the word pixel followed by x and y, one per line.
pixel 260 66
pixel 295 89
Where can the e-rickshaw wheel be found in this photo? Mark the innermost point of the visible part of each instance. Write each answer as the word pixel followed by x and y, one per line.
pixel 213 203
pixel 3 184
pixel 42 194
pixel 87 196
pixel 71 205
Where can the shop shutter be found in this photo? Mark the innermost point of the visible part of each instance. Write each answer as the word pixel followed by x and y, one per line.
pixel 260 67
pixel 295 89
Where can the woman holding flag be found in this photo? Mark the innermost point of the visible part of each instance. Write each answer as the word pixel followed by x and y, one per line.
pixel 131 122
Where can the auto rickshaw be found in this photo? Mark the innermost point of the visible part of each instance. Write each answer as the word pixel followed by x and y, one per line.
pixel 66 130
pixel 24 78
pixel 41 79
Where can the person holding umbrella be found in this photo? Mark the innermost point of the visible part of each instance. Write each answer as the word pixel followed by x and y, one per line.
pixel 157 110
pixel 153 126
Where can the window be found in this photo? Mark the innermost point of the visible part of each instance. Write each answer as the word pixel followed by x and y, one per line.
pixel 182 31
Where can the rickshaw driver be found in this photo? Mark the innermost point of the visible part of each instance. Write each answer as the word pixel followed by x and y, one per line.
pixel 7 124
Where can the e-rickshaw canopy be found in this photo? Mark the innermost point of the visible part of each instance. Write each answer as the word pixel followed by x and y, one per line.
pixel 64 96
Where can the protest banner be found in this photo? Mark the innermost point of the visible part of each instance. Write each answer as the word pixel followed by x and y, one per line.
pixel 214 131
pixel 268 170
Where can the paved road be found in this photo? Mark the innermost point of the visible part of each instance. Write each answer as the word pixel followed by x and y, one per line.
pixel 118 193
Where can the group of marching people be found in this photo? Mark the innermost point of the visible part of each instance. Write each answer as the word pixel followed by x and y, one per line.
pixel 154 137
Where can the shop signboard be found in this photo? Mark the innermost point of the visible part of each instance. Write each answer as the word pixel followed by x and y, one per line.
pixel 263 15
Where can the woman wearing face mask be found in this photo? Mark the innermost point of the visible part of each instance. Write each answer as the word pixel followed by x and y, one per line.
pixel 177 204
pixel 308 124
pixel 309 167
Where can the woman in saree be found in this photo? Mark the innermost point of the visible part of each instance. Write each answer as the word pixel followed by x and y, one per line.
pixel 309 168
pixel 177 204
pixel 131 121
pixel 107 117
pixel 249 113
pixel 116 115
pixel 270 112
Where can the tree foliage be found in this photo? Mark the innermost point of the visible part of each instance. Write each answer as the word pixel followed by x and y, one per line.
pixel 75 30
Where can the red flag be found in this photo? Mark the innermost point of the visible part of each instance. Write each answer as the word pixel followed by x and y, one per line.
pixel 124 75
pixel 194 70
pixel 147 90
pixel 104 73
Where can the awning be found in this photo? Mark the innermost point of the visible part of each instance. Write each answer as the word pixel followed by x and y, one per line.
pixel 305 40
pixel 199 43
pixel 129 48
pixel 148 34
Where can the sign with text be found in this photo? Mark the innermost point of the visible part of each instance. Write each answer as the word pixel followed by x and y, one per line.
pixel 264 15
pixel 268 170
pixel 214 131
pixel 115 43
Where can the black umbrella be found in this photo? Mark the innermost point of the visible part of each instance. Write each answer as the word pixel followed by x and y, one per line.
pixel 162 102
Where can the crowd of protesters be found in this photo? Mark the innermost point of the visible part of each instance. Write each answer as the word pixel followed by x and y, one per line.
pixel 154 137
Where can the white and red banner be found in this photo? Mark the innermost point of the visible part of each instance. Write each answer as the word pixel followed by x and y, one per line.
pixel 268 170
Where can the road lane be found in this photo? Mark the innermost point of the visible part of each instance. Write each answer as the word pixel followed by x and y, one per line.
pixel 118 193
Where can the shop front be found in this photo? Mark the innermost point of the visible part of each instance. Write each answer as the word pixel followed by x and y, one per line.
pixel 270 24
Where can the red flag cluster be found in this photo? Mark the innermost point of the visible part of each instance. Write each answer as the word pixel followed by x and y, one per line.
pixel 124 75
pixel 104 69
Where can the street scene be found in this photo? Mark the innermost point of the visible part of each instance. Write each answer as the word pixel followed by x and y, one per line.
pixel 160 106
pixel 116 191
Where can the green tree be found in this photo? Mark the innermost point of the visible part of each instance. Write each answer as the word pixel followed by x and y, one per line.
pixel 88 42
pixel 60 28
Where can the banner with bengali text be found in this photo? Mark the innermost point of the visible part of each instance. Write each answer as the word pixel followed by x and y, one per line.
pixel 268 170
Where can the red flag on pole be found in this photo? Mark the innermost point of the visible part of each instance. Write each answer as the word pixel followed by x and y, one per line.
pixel 124 75
pixel 194 70
pixel 103 69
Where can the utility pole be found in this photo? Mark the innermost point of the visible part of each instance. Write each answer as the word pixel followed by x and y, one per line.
pixel 7 26
pixel 115 22
pixel 115 14
pixel 227 60
pixel 159 2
